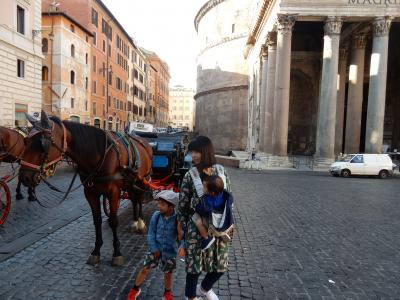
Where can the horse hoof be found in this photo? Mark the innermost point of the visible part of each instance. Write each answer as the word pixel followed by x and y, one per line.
pixel 134 227
pixel 142 226
pixel 142 230
pixel 33 199
pixel 19 197
pixel 117 261
pixel 93 260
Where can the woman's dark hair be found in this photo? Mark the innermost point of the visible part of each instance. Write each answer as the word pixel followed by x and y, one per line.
pixel 203 145
pixel 215 184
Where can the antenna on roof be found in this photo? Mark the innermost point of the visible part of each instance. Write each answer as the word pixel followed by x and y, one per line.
pixel 54 6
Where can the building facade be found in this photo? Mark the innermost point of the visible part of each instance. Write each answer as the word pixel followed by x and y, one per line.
pixel 20 61
pixel 182 107
pixel 160 72
pixel 323 77
pixel 66 74
pixel 151 77
pixel 222 82
pixel 139 84
pixel 112 84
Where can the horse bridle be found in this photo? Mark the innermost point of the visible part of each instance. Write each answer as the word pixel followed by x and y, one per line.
pixel 47 140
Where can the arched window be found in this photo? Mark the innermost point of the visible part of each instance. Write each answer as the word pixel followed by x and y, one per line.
pixel 72 77
pixel 45 73
pixel 72 50
pixel 72 28
pixel 45 45
pixel 86 58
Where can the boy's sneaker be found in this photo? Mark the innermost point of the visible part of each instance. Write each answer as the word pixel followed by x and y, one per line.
pixel 206 243
pixel 210 295
pixel 168 296
pixel 133 294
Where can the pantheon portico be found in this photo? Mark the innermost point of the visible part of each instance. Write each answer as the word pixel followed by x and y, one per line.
pixel 323 78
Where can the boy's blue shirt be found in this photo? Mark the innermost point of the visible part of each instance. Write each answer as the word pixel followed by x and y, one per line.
pixel 162 235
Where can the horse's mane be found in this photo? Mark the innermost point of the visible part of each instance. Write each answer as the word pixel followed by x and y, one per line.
pixel 87 141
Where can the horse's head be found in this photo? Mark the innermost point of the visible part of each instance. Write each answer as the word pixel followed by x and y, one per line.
pixel 44 148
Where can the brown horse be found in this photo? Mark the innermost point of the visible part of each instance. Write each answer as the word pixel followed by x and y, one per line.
pixel 105 165
pixel 11 148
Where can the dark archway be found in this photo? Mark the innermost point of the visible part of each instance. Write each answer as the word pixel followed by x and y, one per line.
pixel 302 114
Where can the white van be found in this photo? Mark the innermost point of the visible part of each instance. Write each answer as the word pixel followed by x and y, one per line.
pixel 140 127
pixel 363 164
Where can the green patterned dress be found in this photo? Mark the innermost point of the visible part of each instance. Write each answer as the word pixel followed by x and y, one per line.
pixel 215 258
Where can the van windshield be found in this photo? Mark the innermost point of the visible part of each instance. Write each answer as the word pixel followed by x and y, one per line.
pixel 346 158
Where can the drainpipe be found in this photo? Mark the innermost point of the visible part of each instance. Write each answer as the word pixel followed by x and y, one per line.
pixel 51 38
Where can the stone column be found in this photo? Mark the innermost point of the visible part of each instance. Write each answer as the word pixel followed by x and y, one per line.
pixel 377 85
pixel 269 108
pixel 341 94
pixel 263 95
pixel 355 95
pixel 328 90
pixel 282 84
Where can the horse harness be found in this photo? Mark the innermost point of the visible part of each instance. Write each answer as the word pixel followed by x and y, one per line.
pixel 47 168
pixel 134 161
pixel 47 140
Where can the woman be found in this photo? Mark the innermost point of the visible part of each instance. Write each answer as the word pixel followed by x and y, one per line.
pixel 214 260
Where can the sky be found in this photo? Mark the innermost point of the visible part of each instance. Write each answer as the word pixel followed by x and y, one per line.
pixel 165 27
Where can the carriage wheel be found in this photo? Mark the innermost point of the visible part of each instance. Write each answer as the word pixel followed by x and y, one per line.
pixel 106 206
pixel 5 201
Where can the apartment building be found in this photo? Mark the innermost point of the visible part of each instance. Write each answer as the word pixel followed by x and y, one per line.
pixel 161 88
pixel 111 52
pixel 182 107
pixel 139 84
pixel 66 74
pixel 150 93
pixel 20 61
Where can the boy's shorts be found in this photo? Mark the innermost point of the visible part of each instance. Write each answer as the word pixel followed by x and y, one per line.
pixel 167 266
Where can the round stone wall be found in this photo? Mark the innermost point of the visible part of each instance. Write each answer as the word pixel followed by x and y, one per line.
pixel 222 80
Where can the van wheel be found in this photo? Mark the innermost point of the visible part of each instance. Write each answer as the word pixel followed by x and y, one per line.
pixel 346 173
pixel 383 174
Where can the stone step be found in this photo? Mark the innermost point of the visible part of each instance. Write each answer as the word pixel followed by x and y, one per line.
pixel 267 162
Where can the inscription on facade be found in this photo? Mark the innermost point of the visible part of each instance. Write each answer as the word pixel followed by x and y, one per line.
pixel 374 2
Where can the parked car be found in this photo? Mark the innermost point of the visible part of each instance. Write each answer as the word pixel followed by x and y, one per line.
pixel 395 156
pixel 363 164
pixel 140 127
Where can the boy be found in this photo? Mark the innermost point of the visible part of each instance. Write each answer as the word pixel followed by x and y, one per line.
pixel 214 211
pixel 162 240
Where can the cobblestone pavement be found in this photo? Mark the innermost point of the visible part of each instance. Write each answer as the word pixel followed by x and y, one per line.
pixel 26 218
pixel 300 235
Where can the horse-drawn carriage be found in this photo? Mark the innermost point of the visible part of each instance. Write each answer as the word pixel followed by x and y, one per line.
pixel 170 160
pixel 169 164
pixel 108 164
